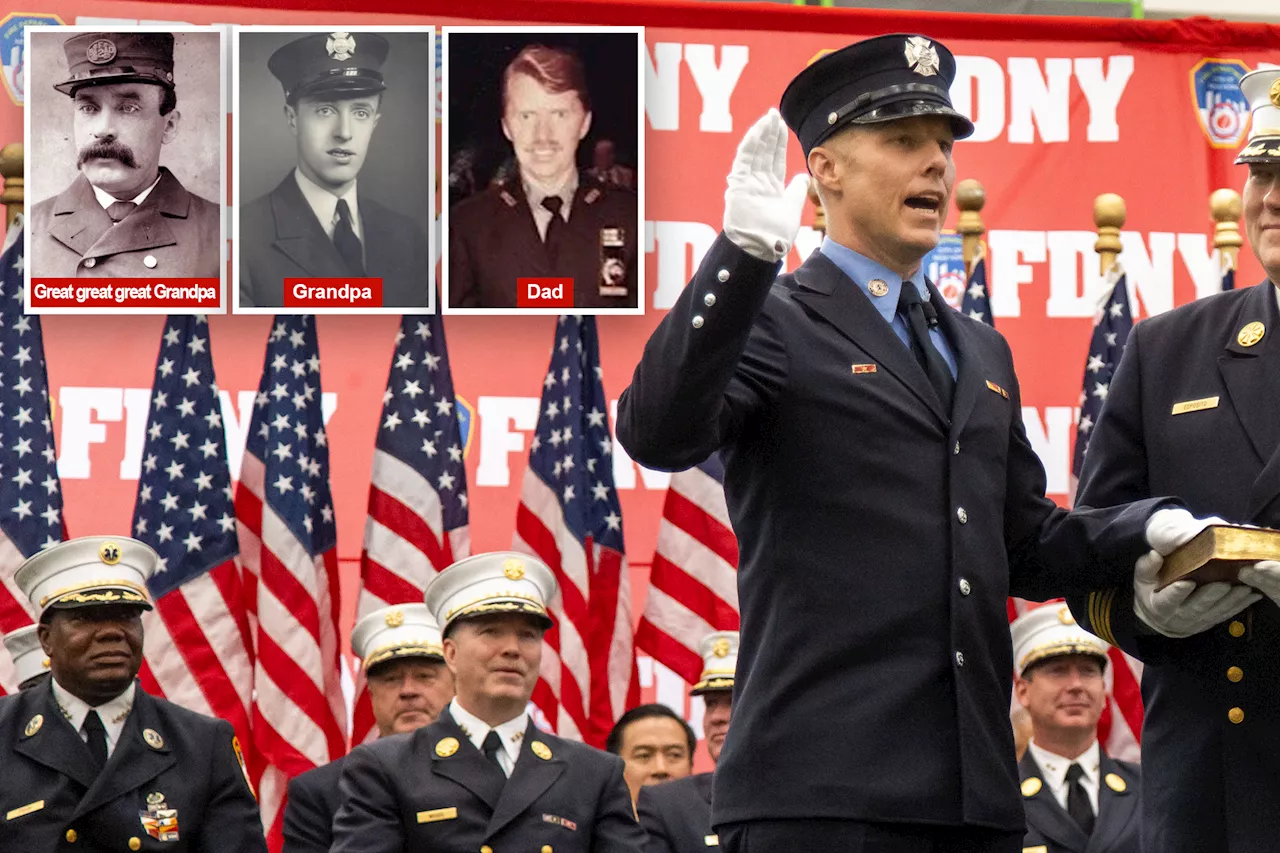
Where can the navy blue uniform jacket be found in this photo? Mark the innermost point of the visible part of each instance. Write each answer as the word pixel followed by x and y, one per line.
pixel 1209 784
pixel 193 765
pixel 879 539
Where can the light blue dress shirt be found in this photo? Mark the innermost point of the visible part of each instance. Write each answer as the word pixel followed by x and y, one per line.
pixel 862 270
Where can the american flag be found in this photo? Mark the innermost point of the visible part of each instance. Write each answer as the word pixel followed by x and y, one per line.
pixel 977 302
pixel 288 541
pixel 570 517
pixel 418 516
pixel 198 647
pixel 1228 274
pixel 30 493
pixel 693 584
pixel 1120 729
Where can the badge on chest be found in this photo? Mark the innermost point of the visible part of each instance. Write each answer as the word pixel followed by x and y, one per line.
pixel 159 821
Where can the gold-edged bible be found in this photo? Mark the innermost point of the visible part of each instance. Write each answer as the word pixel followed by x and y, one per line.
pixel 1218 553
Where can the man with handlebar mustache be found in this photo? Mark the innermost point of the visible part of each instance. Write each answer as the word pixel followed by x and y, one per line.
pixel 125 215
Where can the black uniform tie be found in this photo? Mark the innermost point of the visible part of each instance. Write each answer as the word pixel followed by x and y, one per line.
pixel 118 210
pixel 934 365
pixel 1078 800
pixel 491 747
pixel 346 241
pixel 96 737
pixel 555 227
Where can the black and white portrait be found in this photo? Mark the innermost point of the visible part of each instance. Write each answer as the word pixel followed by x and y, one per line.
pixel 335 140
pixel 126 139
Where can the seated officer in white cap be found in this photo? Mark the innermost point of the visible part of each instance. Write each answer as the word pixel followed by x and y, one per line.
pixel 677 815
pixel 91 761
pixel 1076 797
pixel 30 666
pixel 483 777
pixel 409 685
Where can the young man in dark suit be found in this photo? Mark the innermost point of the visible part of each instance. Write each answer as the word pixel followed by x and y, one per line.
pixel 878 475
pixel 483 777
pixel 315 223
pixel 1077 798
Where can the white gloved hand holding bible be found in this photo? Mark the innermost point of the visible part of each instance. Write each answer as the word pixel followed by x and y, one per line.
pixel 1183 608
pixel 761 210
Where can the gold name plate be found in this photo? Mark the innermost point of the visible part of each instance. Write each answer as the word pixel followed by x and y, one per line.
pixel 25 810
pixel 1218 553
pixel 437 814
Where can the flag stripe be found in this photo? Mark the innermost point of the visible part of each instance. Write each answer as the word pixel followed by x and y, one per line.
pixel 700 524
pixel 672 653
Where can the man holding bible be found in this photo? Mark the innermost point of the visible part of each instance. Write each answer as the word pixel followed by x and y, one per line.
pixel 1193 412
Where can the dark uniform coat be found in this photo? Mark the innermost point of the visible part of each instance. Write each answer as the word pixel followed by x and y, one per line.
pixel 309 811
pixel 431 789
pixel 71 235
pixel 879 541
pixel 493 240
pixel 281 238
pixel 677 815
pixel 1210 748
pixel 193 765
pixel 1051 830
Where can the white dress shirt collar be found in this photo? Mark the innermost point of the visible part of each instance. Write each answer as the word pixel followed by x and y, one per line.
pixel 106 199
pixel 324 204
pixel 113 714
pixel 536 192
pixel 511 732
pixel 1054 767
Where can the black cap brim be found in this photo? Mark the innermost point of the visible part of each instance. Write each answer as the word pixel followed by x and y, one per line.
pixel 961 126
pixel 345 87
pixel 1263 149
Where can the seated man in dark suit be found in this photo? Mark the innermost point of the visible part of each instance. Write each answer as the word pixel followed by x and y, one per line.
pixel 315 224
pixel 91 761
pixel 483 777
pixel 1076 797
pixel 677 815
pixel 409 685
pixel 547 220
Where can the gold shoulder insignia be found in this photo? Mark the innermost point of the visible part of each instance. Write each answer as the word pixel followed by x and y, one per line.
pixel 541 750
pixel 33 725
pixel 447 747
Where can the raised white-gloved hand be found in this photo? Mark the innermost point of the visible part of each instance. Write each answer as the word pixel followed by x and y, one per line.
pixel 761 210
pixel 1263 576
pixel 1184 608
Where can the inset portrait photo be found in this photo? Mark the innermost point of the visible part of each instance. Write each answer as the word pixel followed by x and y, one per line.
pixel 544 145
pixel 125 170
pixel 334 164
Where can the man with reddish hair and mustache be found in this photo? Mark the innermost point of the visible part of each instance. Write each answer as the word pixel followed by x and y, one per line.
pixel 549 220
pixel 125 216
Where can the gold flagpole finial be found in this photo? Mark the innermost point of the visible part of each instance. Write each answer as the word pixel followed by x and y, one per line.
pixel 11 169
pixel 970 199
pixel 1109 216
pixel 1225 207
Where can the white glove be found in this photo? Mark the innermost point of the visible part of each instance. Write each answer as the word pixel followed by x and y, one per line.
pixel 1264 577
pixel 761 215
pixel 1170 529
pixel 1184 608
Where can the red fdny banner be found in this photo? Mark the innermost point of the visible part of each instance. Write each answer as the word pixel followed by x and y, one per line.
pixel 1064 110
